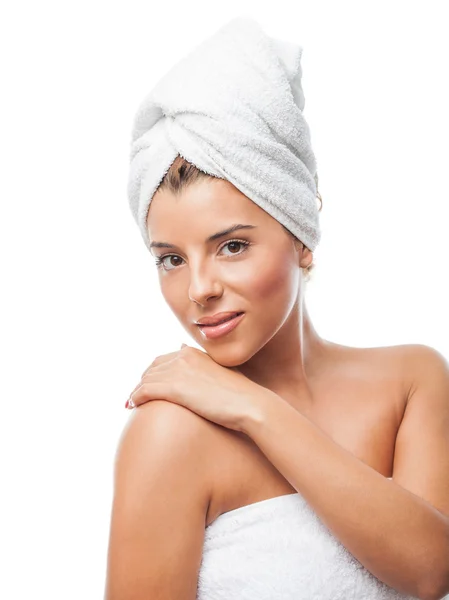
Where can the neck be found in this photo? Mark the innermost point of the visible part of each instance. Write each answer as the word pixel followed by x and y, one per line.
pixel 292 358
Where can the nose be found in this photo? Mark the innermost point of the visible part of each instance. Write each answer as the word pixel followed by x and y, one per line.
pixel 204 284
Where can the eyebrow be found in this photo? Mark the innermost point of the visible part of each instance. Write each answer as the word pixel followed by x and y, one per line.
pixel 211 238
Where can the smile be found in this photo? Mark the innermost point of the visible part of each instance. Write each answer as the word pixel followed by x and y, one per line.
pixel 214 331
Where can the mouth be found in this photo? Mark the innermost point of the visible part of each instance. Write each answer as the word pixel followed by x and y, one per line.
pixel 222 328
pixel 225 320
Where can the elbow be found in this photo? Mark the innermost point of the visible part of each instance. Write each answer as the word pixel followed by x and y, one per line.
pixel 436 579
pixel 439 595
pixel 438 589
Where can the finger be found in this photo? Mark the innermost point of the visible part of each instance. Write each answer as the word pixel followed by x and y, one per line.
pixel 162 367
pixel 163 358
pixel 146 377
pixel 150 391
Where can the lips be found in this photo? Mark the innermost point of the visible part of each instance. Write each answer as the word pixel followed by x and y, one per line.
pixel 228 324
pixel 221 320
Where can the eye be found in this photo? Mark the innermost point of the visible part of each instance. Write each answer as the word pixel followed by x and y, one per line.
pixel 231 243
pixel 236 243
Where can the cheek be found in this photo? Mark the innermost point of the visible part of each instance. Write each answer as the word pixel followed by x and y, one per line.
pixel 274 280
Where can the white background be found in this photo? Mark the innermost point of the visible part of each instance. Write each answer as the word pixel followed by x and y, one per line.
pixel 82 315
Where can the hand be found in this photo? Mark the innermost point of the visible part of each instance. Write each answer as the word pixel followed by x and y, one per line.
pixel 191 378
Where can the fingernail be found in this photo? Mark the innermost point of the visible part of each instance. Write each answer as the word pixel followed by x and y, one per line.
pixel 127 402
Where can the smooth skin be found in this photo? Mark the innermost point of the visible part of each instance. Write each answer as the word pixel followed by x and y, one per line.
pixel 161 497
pixel 160 493
pixel 164 470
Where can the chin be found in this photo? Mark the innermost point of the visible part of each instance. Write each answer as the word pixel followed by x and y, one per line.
pixel 229 362
pixel 227 355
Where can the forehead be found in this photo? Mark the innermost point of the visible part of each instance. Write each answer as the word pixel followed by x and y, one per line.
pixel 208 202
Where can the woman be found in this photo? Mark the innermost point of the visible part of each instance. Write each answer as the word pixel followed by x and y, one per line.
pixel 275 464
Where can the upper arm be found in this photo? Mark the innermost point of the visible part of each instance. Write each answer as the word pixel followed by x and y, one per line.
pixel 159 507
pixel 421 459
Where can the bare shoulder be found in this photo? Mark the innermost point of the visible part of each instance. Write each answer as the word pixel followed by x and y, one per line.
pixel 162 413
pixel 178 428
pixel 180 436
pixel 386 362
pixel 422 355
pixel 413 361
pixel 160 503
pixel 404 364
pixel 394 369
pixel 423 365
pixel 409 351
pixel 402 356
pixel 421 460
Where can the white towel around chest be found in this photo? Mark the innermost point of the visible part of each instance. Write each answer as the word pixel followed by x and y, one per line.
pixel 279 549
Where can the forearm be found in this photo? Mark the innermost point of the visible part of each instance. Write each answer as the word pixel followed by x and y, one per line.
pixel 399 537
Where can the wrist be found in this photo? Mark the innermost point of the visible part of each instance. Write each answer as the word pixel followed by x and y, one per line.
pixel 257 409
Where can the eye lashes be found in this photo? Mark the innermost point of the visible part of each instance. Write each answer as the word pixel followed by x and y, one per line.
pixel 159 259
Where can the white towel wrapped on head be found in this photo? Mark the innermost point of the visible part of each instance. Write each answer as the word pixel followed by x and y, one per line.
pixel 233 107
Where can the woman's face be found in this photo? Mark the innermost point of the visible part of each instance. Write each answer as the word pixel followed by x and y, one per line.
pixel 252 270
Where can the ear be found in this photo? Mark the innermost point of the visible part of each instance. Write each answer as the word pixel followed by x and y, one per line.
pixel 306 258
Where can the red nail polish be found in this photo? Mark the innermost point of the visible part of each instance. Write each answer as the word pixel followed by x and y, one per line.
pixel 127 402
